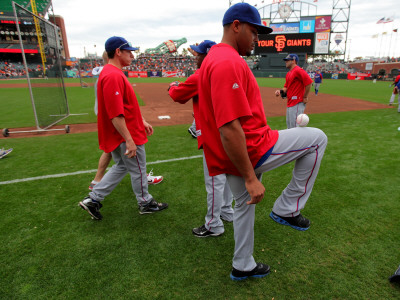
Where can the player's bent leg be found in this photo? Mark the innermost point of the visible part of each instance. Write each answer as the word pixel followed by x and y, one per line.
pixel 306 146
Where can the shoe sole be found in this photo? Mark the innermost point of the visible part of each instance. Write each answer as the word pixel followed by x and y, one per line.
pixel 154 183
pixel 151 212
pixel 83 206
pixel 208 235
pixel 192 134
pixel 245 277
pixel 283 222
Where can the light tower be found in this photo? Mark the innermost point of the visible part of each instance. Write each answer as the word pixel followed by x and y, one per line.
pixel 340 27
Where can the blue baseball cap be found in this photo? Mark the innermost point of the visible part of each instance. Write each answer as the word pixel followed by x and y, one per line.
pixel 245 13
pixel 292 57
pixel 203 47
pixel 117 42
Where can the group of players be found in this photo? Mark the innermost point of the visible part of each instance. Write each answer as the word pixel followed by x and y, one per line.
pixel 231 129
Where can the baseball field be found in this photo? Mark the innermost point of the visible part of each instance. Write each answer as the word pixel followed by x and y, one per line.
pixel 51 249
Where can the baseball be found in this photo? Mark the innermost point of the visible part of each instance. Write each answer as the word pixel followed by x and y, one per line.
pixel 302 120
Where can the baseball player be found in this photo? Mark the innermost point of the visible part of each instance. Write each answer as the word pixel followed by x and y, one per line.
pixel 237 140
pixel 296 89
pixel 105 158
pixel 395 91
pixel 219 196
pixel 317 81
pixel 122 131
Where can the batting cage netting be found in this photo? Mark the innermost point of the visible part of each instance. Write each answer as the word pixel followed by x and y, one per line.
pixel 44 71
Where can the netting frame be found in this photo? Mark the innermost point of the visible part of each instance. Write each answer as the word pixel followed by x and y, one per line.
pixel 67 114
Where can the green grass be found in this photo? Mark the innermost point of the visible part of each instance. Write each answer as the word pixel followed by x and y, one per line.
pixel 52 249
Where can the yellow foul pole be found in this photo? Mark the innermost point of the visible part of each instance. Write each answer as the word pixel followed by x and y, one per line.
pixel 39 35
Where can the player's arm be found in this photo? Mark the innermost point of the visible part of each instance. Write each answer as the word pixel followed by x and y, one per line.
pixel 306 92
pixel 234 141
pixel 184 91
pixel 120 124
pixel 147 127
pixel 282 92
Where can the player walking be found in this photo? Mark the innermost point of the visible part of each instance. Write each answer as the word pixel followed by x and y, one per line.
pixel 219 195
pixel 317 81
pixel 237 140
pixel 122 131
pixel 296 89
pixel 395 92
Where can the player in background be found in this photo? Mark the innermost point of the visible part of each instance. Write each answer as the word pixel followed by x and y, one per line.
pixel 237 140
pixel 219 196
pixel 122 131
pixel 105 158
pixel 296 90
pixel 395 91
pixel 317 81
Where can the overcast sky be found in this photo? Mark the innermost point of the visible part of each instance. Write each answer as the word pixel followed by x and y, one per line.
pixel 149 23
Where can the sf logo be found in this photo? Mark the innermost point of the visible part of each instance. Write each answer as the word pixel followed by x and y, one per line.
pixel 280 42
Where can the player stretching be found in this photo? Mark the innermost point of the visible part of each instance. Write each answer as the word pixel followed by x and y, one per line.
pixel 296 89
pixel 237 140
pixel 122 131
pixel 219 196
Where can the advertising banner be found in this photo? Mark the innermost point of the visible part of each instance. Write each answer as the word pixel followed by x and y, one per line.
pixel 307 26
pixel 321 43
pixel 357 76
pixel 291 43
pixel 136 74
pixel 323 23
pixel 285 28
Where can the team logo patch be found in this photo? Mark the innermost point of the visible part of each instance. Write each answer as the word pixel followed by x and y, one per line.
pixel 235 86
pixel 116 93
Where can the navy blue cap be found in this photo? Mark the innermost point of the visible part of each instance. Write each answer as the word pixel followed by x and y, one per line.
pixel 117 42
pixel 292 57
pixel 246 13
pixel 203 47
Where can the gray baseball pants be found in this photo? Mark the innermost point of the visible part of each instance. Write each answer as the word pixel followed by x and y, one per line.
pixel 292 113
pixel 135 166
pixel 219 200
pixel 304 145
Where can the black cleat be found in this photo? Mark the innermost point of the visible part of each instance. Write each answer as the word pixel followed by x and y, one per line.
pixel 202 231
pixel 152 207
pixel 298 222
pixel 261 270
pixel 92 207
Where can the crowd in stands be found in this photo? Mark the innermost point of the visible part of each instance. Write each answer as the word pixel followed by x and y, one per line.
pixel 328 67
pixel 9 70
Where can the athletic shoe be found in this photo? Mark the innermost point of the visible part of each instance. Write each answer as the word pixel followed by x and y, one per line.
pixel 202 231
pixel 396 276
pixel 92 207
pixel 152 207
pixel 297 222
pixel 5 152
pixel 92 184
pixel 153 179
pixel 192 132
pixel 261 270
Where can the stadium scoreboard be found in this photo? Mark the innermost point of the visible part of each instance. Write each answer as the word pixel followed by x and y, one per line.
pixel 310 35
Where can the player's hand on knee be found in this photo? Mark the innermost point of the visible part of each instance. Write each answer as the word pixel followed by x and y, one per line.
pixel 256 191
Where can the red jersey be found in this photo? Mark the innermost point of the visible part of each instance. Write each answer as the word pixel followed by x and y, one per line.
pixel 116 97
pixel 183 93
pixel 296 81
pixel 228 91
pixel 397 79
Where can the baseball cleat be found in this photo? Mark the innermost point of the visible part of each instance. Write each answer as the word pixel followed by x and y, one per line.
pixel 298 222
pixel 192 133
pixel 202 231
pixel 152 207
pixel 92 207
pixel 396 276
pixel 260 271
pixel 153 179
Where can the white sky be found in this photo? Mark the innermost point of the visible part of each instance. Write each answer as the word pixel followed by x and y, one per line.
pixel 149 23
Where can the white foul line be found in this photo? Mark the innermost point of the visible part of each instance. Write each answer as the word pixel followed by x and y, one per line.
pixel 92 171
